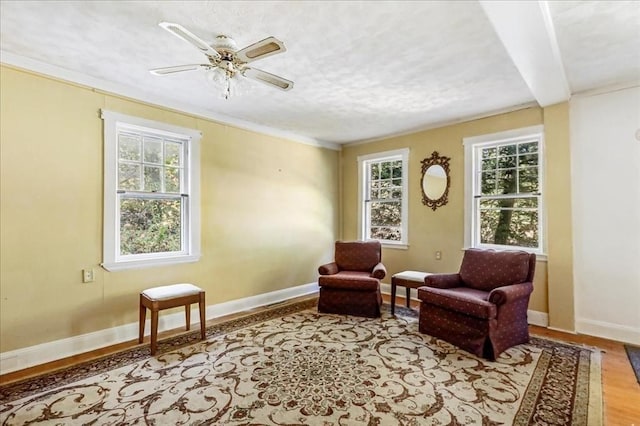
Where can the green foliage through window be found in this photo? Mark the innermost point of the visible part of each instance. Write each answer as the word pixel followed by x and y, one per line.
pixel 508 202
pixel 150 170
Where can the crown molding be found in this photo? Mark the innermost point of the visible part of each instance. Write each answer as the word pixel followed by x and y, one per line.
pixel 444 123
pixel 109 87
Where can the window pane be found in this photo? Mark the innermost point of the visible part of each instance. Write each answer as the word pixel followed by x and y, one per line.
pixel 172 179
pixel 386 233
pixel 152 179
pixel 489 153
pixel 173 154
pixel 506 150
pixel 153 150
pixel 507 162
pixel 129 177
pixel 528 179
pixel 384 194
pixel 150 226
pixel 528 147
pixel 375 171
pixel 385 170
pixel 507 181
pixel 385 214
pixel 488 183
pixel 509 227
pixel 489 164
pixel 528 160
pixel 397 171
pixel 129 147
pixel 396 193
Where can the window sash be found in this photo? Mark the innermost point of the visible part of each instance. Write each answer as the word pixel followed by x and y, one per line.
pixel 519 155
pixel 394 187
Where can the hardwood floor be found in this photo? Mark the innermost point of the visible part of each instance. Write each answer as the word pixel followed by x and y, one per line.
pixel 621 391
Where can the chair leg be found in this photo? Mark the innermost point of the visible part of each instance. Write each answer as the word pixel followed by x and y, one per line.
pixel 154 331
pixel 143 319
pixel 202 307
pixel 187 314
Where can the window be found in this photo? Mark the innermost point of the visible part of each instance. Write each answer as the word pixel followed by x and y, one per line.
pixel 503 190
pixel 383 197
pixel 151 193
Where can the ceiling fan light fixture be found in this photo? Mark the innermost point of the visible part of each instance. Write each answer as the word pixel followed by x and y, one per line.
pixel 226 84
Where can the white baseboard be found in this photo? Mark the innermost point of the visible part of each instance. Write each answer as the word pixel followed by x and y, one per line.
pixel 607 330
pixel 538 318
pixel 534 317
pixel 46 352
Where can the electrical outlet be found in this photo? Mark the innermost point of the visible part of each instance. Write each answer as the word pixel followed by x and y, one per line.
pixel 438 255
pixel 88 275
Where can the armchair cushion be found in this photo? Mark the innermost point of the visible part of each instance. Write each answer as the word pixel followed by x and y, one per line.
pixel 349 280
pixel 488 269
pixel 357 255
pixel 463 300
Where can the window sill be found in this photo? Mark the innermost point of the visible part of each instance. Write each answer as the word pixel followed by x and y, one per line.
pixel 148 263
pixel 395 246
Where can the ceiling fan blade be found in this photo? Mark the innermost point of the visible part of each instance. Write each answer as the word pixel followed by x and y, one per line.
pixel 178 68
pixel 262 49
pixel 268 78
pixel 186 35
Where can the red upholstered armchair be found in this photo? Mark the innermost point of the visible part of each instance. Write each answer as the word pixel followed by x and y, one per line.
pixel 351 284
pixel 483 308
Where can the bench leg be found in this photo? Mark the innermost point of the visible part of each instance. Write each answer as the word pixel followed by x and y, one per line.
pixel 154 331
pixel 408 297
pixel 202 307
pixel 143 319
pixel 187 315
pixel 393 296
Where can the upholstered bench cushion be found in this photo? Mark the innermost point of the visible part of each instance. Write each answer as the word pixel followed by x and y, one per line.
pixel 411 276
pixel 466 301
pixel 349 280
pixel 171 291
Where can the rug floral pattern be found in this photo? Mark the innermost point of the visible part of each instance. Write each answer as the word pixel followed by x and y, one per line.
pixel 305 368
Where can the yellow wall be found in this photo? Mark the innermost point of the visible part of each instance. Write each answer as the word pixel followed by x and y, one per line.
pixel 269 212
pixel 443 229
pixel 559 221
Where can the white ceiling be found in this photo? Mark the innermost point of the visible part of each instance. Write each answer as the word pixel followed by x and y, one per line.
pixel 362 70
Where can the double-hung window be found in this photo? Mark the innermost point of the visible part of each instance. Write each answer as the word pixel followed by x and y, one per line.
pixel 504 193
pixel 383 197
pixel 151 197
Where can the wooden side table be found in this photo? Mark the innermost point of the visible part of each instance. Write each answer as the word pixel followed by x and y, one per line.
pixel 408 279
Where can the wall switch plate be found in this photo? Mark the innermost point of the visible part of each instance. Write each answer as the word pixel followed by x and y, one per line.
pixel 438 255
pixel 88 275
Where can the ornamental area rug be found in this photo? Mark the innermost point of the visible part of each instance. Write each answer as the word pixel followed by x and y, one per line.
pixel 292 366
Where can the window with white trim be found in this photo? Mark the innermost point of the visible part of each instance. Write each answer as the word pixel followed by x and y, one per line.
pixel 503 189
pixel 383 197
pixel 151 193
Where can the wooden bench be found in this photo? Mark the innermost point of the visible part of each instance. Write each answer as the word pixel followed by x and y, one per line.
pixel 166 297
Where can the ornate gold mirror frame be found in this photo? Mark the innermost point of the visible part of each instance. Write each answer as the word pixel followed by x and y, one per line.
pixel 435 181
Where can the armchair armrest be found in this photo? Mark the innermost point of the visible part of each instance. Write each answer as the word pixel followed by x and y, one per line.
pixel 379 271
pixel 509 293
pixel 443 280
pixel 328 269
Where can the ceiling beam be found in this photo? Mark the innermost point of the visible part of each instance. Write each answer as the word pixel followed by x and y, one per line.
pixel 527 33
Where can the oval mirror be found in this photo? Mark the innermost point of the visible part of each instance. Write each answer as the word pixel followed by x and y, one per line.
pixel 435 180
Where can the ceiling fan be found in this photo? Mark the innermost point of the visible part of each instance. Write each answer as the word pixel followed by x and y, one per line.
pixel 226 63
